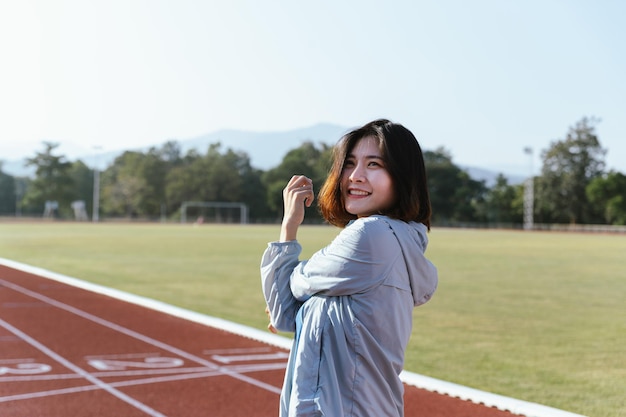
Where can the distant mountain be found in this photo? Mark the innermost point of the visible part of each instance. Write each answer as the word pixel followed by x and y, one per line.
pixel 17 168
pixel 266 149
pixel 490 176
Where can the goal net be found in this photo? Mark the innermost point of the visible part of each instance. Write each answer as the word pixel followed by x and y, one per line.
pixel 213 211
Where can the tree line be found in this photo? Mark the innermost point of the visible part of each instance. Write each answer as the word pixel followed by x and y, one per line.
pixel 573 186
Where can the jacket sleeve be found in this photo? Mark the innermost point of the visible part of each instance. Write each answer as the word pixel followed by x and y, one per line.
pixel 277 264
pixel 357 260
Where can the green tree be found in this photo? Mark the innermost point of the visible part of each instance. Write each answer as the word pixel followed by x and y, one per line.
pixel 254 194
pixel 569 165
pixel 123 196
pixel 517 205
pixel 454 195
pixel 152 169
pixel 223 180
pixel 608 192
pixel 212 177
pixel 500 202
pixel 183 180
pixel 82 178
pixel 122 185
pixel 307 159
pixel 7 193
pixel 52 182
pixel 217 176
pixel 170 152
pixel 135 184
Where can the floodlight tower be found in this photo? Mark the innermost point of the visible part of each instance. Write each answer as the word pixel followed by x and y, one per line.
pixel 95 217
pixel 529 194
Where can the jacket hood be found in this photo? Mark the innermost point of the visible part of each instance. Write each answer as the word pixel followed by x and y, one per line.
pixel 413 240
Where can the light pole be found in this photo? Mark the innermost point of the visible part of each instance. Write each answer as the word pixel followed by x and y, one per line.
pixel 95 217
pixel 19 191
pixel 529 194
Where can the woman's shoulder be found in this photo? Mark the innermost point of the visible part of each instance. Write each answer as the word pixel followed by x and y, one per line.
pixel 376 227
pixel 365 238
pixel 374 222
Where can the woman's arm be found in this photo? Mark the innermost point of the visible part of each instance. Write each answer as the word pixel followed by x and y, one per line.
pixel 277 264
pixel 280 258
pixel 297 194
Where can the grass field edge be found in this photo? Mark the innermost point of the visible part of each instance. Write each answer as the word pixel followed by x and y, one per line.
pixel 512 405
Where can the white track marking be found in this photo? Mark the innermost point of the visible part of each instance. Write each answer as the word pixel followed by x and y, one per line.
pixel 148 363
pixel 49 393
pixel 236 350
pixel 97 382
pixel 252 367
pixel 108 374
pixel 25 368
pixel 245 358
pixel 144 381
pixel 140 336
pixel 124 356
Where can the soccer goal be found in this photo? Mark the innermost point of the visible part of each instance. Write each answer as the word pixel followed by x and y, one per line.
pixel 219 207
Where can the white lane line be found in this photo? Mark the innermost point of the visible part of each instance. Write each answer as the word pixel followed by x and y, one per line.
pixel 95 381
pixel 107 374
pixel 247 358
pixel 181 371
pixel 144 381
pixel 49 393
pixel 139 336
pixel 124 356
pixel 237 350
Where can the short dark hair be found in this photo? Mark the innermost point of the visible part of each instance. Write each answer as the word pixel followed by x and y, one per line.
pixel 403 160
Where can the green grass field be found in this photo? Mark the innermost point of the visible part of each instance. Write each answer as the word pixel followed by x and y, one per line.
pixel 536 316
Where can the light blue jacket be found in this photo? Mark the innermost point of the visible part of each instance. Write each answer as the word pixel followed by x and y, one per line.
pixel 351 308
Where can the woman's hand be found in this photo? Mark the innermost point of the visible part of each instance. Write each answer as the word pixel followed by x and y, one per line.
pixel 270 327
pixel 297 194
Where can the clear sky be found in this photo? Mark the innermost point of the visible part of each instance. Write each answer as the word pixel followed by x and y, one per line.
pixel 483 79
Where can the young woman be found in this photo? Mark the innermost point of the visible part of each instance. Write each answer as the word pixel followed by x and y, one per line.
pixel 351 304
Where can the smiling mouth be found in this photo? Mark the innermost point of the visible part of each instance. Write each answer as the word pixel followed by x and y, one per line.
pixel 358 193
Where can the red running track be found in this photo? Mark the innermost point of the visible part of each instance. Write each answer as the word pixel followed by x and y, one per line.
pixel 66 351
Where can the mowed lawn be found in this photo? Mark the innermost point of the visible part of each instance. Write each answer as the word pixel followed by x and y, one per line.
pixel 536 316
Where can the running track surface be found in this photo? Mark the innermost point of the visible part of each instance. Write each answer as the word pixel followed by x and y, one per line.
pixel 66 351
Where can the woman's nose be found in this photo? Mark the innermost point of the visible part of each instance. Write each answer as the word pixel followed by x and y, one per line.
pixel 357 174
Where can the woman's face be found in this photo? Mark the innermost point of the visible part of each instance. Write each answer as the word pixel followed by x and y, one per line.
pixel 366 186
